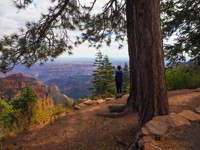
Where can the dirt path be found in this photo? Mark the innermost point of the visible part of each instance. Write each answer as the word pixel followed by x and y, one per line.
pixel 79 127
pixel 79 130
pixel 183 137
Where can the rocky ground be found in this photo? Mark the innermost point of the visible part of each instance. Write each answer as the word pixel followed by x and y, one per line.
pixel 83 127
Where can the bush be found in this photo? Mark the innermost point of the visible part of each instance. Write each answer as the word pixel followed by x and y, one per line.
pixel 183 78
pixel 26 103
pixel 19 113
pixel 97 97
pixel 69 105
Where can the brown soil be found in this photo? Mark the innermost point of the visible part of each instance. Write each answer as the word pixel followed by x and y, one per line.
pixel 184 137
pixel 82 125
pixel 181 138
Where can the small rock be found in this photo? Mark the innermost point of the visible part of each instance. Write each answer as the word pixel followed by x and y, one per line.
pixel 81 104
pixel 167 120
pixel 77 107
pixel 146 139
pixel 190 115
pixel 178 120
pixel 89 102
pixel 156 128
pixel 100 101
pixel 141 143
pixel 108 99
pixel 149 146
pixel 197 109
pixel 62 114
pixel 81 100
pixel 145 131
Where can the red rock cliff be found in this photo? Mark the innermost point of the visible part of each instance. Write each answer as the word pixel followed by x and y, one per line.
pixel 13 85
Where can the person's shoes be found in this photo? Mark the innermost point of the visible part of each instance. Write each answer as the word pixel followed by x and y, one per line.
pixel 120 96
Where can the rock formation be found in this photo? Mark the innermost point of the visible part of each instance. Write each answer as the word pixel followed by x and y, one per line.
pixel 53 88
pixel 13 85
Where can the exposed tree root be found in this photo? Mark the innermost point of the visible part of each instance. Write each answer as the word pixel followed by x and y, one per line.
pixel 117 108
pixel 132 145
pixel 122 109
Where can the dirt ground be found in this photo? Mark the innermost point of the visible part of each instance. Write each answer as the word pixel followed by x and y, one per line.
pixel 83 127
pixel 184 137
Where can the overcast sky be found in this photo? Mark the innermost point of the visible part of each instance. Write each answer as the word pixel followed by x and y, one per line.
pixel 11 19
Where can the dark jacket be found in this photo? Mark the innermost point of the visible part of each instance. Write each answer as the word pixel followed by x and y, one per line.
pixel 118 76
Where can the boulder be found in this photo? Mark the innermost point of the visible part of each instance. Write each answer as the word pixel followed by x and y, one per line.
pixel 178 120
pixel 197 110
pixel 89 102
pixel 108 99
pixel 156 128
pixel 100 101
pixel 77 107
pixel 81 105
pixel 190 115
pixel 144 131
pixel 81 100
pixel 167 120
pixel 150 146
pixel 62 114
pixel 144 140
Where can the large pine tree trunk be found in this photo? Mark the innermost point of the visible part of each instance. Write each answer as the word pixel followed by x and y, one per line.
pixel 147 73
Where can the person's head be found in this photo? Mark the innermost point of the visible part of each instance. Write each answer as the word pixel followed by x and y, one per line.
pixel 119 67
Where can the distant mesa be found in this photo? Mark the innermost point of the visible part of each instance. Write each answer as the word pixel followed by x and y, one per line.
pixel 17 75
pixel 12 86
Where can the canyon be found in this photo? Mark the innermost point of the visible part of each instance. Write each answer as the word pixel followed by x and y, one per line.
pixel 12 86
pixel 72 75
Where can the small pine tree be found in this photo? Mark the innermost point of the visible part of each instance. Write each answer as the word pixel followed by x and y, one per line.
pixel 26 103
pixel 103 83
pixel 97 82
pixel 126 79
pixel 108 77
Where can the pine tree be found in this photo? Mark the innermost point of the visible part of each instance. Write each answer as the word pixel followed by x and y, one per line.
pixel 103 83
pixel 126 80
pixel 181 18
pixel 97 74
pixel 108 77
pixel 26 103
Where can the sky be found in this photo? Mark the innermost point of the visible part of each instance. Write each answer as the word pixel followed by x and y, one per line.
pixel 11 20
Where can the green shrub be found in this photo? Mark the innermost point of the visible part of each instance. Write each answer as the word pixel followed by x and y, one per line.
pixel 19 113
pixel 69 105
pixel 97 97
pixel 26 103
pixel 182 78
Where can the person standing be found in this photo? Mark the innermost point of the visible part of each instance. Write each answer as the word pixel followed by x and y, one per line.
pixel 118 81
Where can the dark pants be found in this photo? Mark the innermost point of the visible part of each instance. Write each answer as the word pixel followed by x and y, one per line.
pixel 119 87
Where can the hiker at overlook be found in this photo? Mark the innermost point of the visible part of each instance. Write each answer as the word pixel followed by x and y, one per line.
pixel 118 80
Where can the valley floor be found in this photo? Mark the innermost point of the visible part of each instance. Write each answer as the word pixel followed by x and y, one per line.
pixel 84 127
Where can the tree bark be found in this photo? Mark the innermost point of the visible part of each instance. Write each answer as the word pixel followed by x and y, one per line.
pixel 147 73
